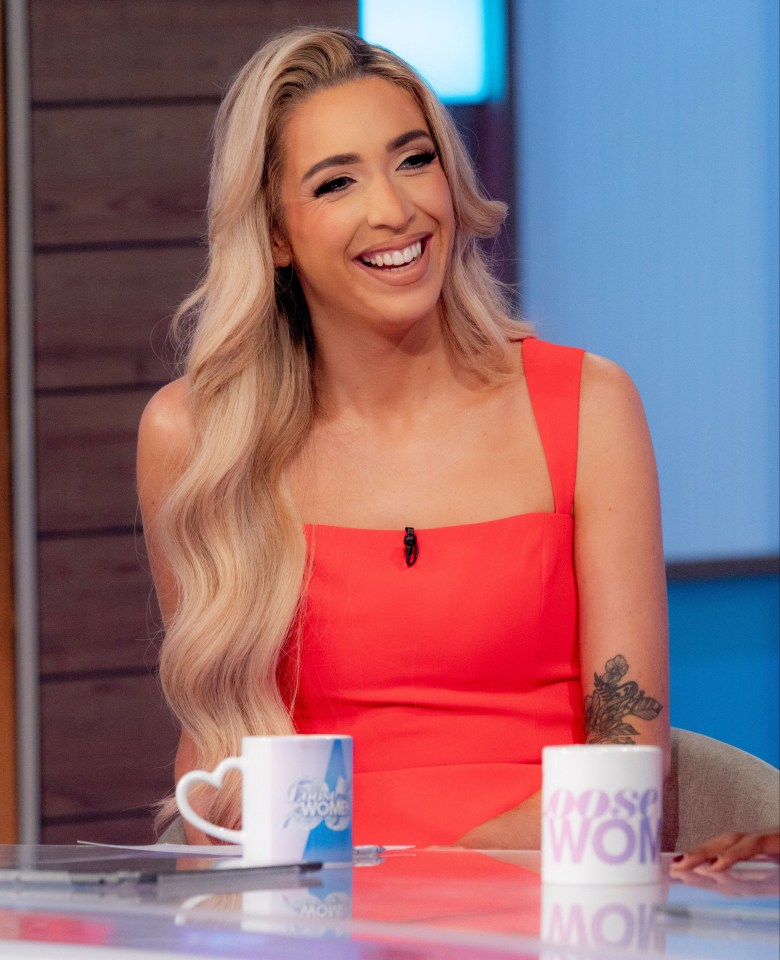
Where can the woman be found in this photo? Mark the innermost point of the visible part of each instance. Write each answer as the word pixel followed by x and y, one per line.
pixel 360 499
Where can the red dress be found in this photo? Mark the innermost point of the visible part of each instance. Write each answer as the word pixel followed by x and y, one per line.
pixel 451 674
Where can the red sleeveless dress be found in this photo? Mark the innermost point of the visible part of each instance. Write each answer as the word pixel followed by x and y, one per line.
pixel 451 674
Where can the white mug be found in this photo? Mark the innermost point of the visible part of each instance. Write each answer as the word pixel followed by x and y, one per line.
pixel 296 799
pixel 601 814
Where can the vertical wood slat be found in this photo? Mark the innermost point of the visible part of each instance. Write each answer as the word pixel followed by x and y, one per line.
pixel 8 825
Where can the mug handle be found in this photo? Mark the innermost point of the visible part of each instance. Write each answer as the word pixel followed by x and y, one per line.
pixel 213 779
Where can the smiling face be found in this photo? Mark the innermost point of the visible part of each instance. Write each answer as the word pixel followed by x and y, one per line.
pixel 367 215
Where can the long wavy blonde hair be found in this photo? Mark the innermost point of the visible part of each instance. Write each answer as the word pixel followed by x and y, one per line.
pixel 229 529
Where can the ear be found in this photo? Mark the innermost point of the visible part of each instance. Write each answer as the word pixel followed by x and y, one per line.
pixel 281 249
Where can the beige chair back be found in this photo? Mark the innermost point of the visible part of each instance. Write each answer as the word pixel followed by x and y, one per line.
pixel 716 788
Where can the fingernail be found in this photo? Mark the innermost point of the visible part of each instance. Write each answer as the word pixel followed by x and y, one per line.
pixel 678 858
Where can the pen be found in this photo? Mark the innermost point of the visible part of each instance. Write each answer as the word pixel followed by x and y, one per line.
pixel 374 850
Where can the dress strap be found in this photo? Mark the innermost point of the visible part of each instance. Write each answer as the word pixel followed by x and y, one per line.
pixel 553 376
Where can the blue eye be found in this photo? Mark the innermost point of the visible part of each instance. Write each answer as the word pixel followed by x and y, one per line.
pixel 332 186
pixel 422 159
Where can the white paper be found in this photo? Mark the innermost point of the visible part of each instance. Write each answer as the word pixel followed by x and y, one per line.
pixel 172 849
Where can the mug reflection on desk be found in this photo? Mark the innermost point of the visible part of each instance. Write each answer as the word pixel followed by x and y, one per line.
pixel 601 918
pixel 320 909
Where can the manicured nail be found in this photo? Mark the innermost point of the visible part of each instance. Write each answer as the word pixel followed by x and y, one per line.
pixel 678 858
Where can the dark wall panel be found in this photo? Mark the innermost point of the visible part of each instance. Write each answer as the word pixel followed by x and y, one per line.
pixel 98 607
pixel 105 829
pixel 124 94
pixel 97 49
pixel 102 317
pixel 114 753
pixel 86 472
pixel 147 181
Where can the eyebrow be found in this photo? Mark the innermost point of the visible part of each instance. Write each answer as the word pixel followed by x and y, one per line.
pixel 340 159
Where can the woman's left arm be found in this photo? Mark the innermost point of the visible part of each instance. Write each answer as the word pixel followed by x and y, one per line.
pixel 621 586
pixel 619 564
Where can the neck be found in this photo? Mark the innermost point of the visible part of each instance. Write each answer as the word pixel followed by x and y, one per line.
pixel 369 376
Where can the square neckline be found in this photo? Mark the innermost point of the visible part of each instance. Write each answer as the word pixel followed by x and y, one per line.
pixel 555 512
pixel 470 525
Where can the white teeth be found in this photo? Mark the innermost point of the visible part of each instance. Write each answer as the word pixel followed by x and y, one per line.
pixel 398 258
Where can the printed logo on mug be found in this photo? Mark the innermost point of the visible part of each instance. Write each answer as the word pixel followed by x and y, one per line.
pixel 601 814
pixel 296 798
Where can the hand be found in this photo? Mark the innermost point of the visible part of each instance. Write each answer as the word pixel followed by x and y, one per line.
pixel 721 852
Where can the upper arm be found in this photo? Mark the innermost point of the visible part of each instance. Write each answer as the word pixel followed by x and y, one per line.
pixel 164 439
pixel 618 555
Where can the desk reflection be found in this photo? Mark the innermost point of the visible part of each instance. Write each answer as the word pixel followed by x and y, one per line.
pixel 320 908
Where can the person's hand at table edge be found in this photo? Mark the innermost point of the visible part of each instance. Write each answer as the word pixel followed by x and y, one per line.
pixel 725 850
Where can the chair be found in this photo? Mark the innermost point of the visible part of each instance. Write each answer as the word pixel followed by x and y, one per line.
pixel 712 788
pixel 716 788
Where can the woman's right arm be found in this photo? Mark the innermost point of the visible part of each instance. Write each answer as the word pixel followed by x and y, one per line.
pixel 164 439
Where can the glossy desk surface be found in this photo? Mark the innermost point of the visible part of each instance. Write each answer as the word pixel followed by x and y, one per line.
pixel 412 905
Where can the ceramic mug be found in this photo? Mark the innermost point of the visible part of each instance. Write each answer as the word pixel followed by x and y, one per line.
pixel 601 814
pixel 296 798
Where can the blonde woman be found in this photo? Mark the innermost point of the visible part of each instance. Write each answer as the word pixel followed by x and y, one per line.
pixel 374 503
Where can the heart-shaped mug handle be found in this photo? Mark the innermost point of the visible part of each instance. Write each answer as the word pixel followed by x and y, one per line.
pixel 213 779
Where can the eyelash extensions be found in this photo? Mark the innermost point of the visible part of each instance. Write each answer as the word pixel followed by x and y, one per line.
pixel 414 162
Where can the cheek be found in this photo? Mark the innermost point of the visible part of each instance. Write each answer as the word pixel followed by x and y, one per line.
pixel 443 203
pixel 318 236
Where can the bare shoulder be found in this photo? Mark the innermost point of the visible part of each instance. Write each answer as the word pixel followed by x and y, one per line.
pixel 167 414
pixel 164 439
pixel 606 385
pixel 610 405
pixel 166 422
pixel 613 426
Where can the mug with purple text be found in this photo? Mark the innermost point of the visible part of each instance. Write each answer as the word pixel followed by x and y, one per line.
pixel 296 798
pixel 601 814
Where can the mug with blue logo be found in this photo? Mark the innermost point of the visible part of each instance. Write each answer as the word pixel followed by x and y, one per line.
pixel 601 814
pixel 296 799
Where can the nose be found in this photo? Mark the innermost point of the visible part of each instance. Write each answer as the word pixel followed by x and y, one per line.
pixel 388 205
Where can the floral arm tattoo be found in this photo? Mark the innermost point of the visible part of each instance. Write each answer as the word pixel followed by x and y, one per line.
pixel 612 701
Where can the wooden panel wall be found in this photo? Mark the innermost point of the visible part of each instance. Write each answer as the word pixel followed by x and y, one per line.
pixel 124 93
pixel 7 727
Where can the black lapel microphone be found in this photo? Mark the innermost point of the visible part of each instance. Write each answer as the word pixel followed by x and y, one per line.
pixel 411 546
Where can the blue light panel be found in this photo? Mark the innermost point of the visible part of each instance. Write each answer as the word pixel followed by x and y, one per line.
pixel 459 46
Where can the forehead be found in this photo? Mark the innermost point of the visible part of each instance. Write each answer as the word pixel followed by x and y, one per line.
pixel 356 117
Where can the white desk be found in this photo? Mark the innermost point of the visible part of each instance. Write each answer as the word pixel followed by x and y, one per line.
pixel 421 905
